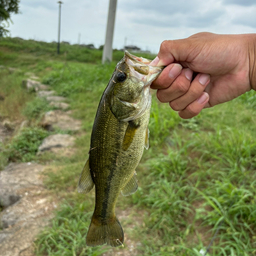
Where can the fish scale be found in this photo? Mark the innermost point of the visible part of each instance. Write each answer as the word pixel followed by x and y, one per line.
pixel 119 135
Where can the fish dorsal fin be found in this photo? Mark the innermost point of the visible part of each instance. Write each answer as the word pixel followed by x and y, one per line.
pixel 130 187
pixel 85 183
pixel 147 139
pixel 129 134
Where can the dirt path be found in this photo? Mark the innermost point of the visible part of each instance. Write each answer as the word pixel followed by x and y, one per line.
pixel 27 205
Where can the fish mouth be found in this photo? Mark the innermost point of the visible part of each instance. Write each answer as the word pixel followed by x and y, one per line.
pixel 142 73
pixel 140 69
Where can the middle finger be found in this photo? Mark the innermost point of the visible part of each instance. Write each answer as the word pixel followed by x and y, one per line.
pixel 178 87
pixel 195 90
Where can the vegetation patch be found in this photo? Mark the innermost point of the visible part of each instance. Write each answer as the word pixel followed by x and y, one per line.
pixel 35 108
pixel 24 145
pixel 67 234
pixel 196 181
pixel 13 97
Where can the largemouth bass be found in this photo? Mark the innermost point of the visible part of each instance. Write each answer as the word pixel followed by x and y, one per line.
pixel 119 135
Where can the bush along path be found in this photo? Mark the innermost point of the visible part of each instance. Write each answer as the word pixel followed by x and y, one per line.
pixel 27 206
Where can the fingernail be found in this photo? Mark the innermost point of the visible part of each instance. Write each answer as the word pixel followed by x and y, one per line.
pixel 188 74
pixel 204 79
pixel 204 97
pixel 155 61
pixel 175 71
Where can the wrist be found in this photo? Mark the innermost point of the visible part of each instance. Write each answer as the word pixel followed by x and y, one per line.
pixel 252 61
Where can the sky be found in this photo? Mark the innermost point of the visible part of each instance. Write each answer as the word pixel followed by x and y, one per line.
pixel 142 23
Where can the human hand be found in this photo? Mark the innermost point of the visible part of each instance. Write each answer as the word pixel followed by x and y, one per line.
pixel 224 67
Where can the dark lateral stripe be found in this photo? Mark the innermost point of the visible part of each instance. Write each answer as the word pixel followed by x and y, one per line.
pixel 106 203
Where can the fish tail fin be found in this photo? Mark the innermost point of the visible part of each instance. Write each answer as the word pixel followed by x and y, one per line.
pixel 108 232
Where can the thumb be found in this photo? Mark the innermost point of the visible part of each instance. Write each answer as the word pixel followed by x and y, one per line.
pixel 173 51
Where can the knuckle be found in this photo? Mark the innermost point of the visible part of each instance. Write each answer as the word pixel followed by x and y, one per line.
pixel 182 87
pixel 194 93
pixel 165 45
pixel 174 105
pixel 161 96
pixel 155 84
pixel 192 111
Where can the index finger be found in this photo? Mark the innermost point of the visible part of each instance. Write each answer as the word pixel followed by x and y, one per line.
pixel 168 75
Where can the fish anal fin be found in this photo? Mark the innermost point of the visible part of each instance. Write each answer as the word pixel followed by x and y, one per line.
pixel 147 139
pixel 130 187
pixel 108 232
pixel 85 183
pixel 129 135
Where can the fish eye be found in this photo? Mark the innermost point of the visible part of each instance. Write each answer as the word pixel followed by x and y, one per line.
pixel 121 76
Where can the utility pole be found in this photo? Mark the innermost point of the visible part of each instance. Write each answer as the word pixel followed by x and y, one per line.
pixel 79 37
pixel 107 51
pixel 58 45
pixel 125 42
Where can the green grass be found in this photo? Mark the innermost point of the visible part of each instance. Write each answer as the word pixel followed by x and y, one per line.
pixel 197 177
pixel 24 145
pixel 206 162
pixel 35 108
pixel 206 185
pixel 67 52
pixel 13 95
pixel 67 236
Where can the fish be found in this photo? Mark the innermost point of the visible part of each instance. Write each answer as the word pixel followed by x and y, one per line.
pixel 119 135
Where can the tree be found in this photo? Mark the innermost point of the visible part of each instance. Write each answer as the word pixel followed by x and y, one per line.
pixel 6 8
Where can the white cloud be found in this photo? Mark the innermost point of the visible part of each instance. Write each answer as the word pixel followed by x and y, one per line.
pixel 246 17
pixel 240 2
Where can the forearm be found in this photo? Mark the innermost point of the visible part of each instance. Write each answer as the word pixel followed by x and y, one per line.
pixel 252 60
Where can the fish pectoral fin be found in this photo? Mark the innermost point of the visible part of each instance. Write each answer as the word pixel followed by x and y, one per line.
pixel 147 139
pixel 85 183
pixel 129 134
pixel 130 187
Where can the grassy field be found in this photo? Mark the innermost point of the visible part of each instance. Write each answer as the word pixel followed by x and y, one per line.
pixel 198 177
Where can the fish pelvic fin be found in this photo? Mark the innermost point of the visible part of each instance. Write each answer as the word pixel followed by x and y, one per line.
pixel 105 232
pixel 130 187
pixel 85 183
